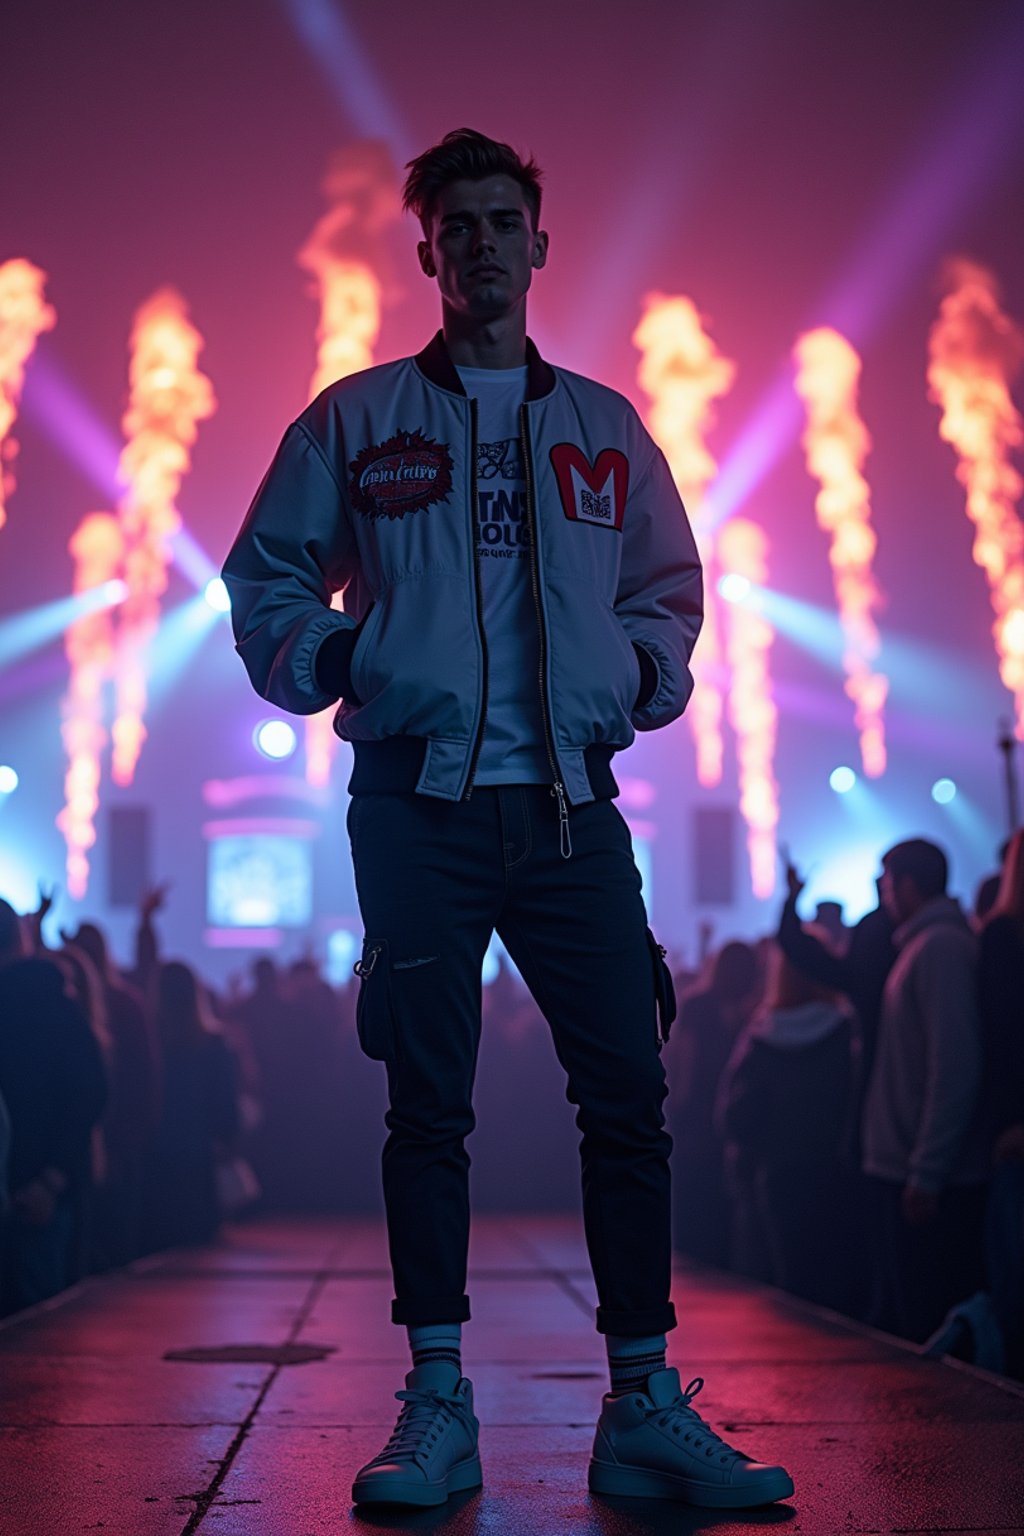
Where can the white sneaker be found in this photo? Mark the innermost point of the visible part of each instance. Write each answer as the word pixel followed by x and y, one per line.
pixel 432 1451
pixel 652 1443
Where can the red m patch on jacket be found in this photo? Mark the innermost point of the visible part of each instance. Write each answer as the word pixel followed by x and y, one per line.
pixel 591 493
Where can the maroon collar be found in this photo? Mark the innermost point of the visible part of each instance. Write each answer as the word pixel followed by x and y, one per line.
pixel 435 363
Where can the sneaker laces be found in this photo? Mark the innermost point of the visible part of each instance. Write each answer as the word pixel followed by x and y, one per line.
pixel 426 1413
pixel 674 1416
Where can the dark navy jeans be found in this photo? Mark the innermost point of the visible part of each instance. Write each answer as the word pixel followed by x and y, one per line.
pixel 434 879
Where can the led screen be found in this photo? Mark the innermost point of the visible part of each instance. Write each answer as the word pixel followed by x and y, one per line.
pixel 259 880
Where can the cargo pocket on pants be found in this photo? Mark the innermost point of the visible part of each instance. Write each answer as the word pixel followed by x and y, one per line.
pixel 375 1020
pixel 664 988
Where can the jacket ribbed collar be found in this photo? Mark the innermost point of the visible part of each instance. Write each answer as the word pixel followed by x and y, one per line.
pixel 943 911
pixel 435 363
pixel 805 1024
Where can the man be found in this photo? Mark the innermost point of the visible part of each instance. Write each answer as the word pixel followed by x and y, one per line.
pixel 927 1156
pixel 522 592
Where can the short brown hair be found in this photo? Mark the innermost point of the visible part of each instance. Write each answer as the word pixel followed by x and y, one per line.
pixel 920 861
pixel 465 155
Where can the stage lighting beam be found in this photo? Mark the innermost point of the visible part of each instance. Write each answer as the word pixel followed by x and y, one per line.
pixel 275 739
pixel 29 631
pixel 733 588
pixel 335 47
pixel 216 594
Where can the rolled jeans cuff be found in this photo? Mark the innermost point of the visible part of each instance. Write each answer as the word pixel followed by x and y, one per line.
pixel 414 1311
pixel 636 1325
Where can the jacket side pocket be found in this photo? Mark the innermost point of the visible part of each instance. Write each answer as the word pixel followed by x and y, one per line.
pixel 375 1021
pixel 664 988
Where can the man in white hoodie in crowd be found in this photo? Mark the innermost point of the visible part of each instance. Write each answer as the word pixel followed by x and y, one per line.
pixel 926 1155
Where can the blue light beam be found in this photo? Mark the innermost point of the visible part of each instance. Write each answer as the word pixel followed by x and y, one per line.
pixel 181 634
pixel 36 627
pixel 334 46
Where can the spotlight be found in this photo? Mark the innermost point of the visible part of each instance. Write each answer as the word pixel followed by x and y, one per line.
pixel 733 588
pixel 842 780
pixel 943 791
pixel 275 739
pixel 8 780
pixel 216 595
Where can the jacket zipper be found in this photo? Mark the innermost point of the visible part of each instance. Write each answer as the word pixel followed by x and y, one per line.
pixel 478 588
pixel 557 789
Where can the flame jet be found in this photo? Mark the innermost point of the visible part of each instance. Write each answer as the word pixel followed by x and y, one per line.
pixel 347 257
pixel 97 548
pixel 975 351
pixel 836 443
pixel 743 551
pixel 684 374
pixel 169 397
pixel 24 315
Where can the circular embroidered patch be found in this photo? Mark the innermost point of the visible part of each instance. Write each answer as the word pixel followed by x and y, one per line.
pixel 406 474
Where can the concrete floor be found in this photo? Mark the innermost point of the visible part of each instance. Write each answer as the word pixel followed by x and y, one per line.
pixel 101 1430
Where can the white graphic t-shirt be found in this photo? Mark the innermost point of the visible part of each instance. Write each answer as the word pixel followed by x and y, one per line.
pixel 513 750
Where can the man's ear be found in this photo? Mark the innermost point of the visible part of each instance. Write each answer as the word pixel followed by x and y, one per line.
pixel 540 249
pixel 425 255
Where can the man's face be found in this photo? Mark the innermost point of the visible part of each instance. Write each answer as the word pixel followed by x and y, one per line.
pixel 482 246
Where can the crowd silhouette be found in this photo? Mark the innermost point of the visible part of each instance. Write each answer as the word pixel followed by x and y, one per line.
pixel 846 1105
pixel 865 1098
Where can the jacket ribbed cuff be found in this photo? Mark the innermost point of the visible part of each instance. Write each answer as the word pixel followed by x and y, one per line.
pixel 649 675
pixel 332 665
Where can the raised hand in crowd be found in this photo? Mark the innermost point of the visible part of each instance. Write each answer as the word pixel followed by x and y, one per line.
pixel 147 947
pixel 794 881
pixel 34 920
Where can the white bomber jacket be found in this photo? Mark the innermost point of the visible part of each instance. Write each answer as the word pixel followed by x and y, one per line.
pixel 373 490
